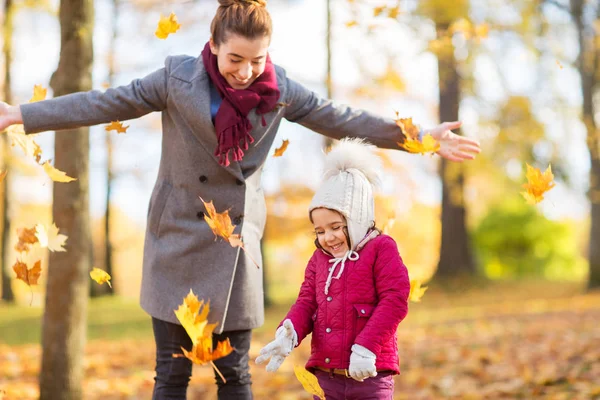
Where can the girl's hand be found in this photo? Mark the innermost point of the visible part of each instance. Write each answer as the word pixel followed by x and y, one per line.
pixel 9 115
pixel 452 146
pixel 285 341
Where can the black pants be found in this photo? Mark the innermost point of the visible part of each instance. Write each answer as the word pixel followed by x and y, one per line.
pixel 173 374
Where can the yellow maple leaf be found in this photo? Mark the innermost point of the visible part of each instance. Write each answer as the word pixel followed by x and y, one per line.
pixel 26 237
pixel 166 26
pixel 193 316
pixel 29 276
pixel 428 145
pixel 116 126
pixel 416 290
pixel 39 93
pixel 3 175
pixel 377 11
pixel 309 382
pixel 393 12
pixel 16 134
pixel 55 174
pixel 281 149
pixel 538 184
pixel 50 238
pixel 100 276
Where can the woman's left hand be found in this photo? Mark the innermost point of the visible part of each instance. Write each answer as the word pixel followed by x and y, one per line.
pixel 454 147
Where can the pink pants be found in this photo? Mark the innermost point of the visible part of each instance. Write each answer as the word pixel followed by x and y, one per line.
pixel 338 387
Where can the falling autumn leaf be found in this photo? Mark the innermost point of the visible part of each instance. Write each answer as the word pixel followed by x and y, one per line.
pixel 100 276
pixel 26 237
pixel 559 64
pixel 29 276
pixel 116 126
pixel 55 174
pixel 3 175
pixel 428 145
pixel 39 93
pixel 166 26
pixel 538 184
pixel 416 290
pixel 281 149
pixel 408 129
pixel 50 238
pixel 16 134
pixel 393 12
pixel 193 316
pixel 309 382
pixel 350 24
pixel 219 223
pixel 377 11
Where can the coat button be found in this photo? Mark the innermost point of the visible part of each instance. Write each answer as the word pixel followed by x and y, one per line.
pixel 329 298
pixel 238 220
pixel 239 182
pixel 200 215
pixel 362 311
pixel 328 330
pixel 327 360
pixel 203 178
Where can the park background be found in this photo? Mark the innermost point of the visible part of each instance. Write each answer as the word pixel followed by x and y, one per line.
pixel 512 306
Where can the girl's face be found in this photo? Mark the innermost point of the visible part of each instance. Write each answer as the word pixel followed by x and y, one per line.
pixel 241 60
pixel 329 228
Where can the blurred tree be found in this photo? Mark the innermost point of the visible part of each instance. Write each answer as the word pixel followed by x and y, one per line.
pixel 7 292
pixel 455 250
pixel 65 315
pixel 586 15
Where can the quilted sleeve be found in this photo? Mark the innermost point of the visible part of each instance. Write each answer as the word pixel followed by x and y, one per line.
pixel 393 287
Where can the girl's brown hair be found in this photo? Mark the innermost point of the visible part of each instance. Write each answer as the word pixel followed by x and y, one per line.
pixel 246 18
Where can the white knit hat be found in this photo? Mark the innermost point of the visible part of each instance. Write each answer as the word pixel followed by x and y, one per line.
pixel 351 170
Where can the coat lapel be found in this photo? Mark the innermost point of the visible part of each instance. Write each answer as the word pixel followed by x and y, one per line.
pixel 202 126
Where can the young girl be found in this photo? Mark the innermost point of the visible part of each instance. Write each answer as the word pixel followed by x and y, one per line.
pixel 355 289
pixel 220 114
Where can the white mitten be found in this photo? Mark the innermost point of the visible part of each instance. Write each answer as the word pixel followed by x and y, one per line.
pixel 362 363
pixel 285 341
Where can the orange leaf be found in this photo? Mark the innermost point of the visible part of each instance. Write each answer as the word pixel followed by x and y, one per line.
pixel 409 130
pixel 3 175
pixel 29 276
pixel 116 126
pixel 538 184
pixel 279 151
pixel 219 223
pixel 26 237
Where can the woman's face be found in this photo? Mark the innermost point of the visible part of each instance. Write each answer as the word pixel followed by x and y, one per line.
pixel 241 60
pixel 330 230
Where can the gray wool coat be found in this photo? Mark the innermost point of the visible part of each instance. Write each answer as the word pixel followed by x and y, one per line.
pixel 180 250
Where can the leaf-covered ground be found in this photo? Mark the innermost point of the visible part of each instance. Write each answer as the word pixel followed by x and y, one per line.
pixel 494 348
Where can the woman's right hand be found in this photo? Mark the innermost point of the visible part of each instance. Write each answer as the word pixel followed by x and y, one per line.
pixel 9 115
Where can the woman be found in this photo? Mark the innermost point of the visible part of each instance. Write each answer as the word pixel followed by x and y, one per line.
pixel 220 115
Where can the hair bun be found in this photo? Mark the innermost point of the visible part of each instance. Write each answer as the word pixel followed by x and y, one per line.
pixel 228 3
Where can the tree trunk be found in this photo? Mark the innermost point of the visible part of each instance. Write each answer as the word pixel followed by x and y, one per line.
pixel 64 326
pixel 455 252
pixel 328 77
pixel 587 65
pixel 7 292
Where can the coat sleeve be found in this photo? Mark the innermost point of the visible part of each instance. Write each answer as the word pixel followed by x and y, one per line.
pixel 305 306
pixel 75 110
pixel 336 120
pixel 393 288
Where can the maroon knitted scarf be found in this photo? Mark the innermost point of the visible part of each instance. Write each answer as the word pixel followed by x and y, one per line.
pixel 231 122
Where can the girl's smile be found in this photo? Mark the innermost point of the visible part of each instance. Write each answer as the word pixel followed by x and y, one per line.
pixel 330 228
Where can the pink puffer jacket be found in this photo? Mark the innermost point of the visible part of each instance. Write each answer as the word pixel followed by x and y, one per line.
pixel 364 306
